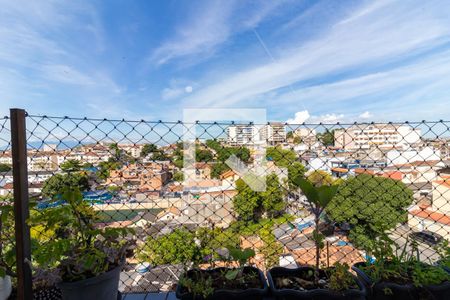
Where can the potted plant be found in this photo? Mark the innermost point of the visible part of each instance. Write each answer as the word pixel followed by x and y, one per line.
pixel 242 282
pixel 403 276
pixel 7 252
pixel 313 282
pixel 87 259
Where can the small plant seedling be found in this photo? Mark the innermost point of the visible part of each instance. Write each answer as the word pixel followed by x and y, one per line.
pixel 340 277
pixel 241 256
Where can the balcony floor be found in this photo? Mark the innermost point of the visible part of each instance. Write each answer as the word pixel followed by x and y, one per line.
pixel 157 296
pixel 150 296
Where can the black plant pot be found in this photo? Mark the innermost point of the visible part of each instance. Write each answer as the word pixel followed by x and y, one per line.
pixel 316 294
pixel 102 287
pixel 223 294
pixel 391 291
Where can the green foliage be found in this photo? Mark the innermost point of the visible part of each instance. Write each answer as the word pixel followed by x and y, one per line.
pixel 318 197
pixel 173 248
pixel 320 177
pixel 79 249
pixel 251 205
pixel 295 170
pixel 198 286
pixel 159 156
pixel 7 248
pixel 281 157
pixel 106 166
pixel 178 176
pixel 326 138
pixel 273 197
pixel 203 155
pixel 403 268
pixel 218 169
pixel 56 184
pixel 71 165
pixel 371 205
pixel 147 149
pixel 223 153
pixel 271 249
pixel 5 168
pixel 340 277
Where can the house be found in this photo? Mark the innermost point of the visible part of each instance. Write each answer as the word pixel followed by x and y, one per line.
pixel 426 218
pixel 168 214
pixel 433 217
pixel 144 219
pixel 199 171
pixel 204 206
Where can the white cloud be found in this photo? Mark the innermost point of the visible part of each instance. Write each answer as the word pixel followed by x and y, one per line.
pixel 188 89
pixel 328 118
pixel 299 118
pixel 365 115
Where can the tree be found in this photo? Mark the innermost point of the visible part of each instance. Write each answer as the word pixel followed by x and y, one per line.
pixel 173 248
pixel 159 156
pixel 218 169
pixel 326 138
pixel 71 165
pixel 203 155
pixel 251 205
pixel 246 202
pixel 273 197
pixel 371 205
pixel 5 168
pixel 147 149
pixel 178 176
pixel 223 153
pixel 106 166
pixel 56 184
pixel 281 157
pixel 320 177
pixel 295 170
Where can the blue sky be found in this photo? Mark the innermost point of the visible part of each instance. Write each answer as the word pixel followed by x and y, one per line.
pixel 301 60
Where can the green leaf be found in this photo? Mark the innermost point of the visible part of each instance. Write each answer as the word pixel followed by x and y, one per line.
pixel 232 274
pixel 307 189
pixel 325 194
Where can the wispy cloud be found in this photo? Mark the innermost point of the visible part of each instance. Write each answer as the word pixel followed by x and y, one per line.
pixel 40 56
pixel 372 37
pixel 209 25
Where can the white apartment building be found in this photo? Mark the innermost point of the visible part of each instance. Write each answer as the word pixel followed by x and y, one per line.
pixel 384 136
pixel 134 150
pixel 240 135
pixel 272 134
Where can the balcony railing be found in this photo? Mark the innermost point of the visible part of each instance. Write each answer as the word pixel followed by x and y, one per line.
pixel 135 175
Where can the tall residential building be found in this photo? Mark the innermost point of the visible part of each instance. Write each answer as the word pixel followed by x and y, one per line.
pixel 383 136
pixel 240 135
pixel 274 133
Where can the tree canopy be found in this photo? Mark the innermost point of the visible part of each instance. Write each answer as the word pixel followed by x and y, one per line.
pixel 371 205
pixel 173 248
pixel 281 157
pixel 5 168
pixel 251 205
pixel 57 183
pixel 147 149
pixel 71 165
pixel 327 137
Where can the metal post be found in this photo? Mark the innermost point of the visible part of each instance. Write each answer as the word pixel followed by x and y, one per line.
pixel 21 203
